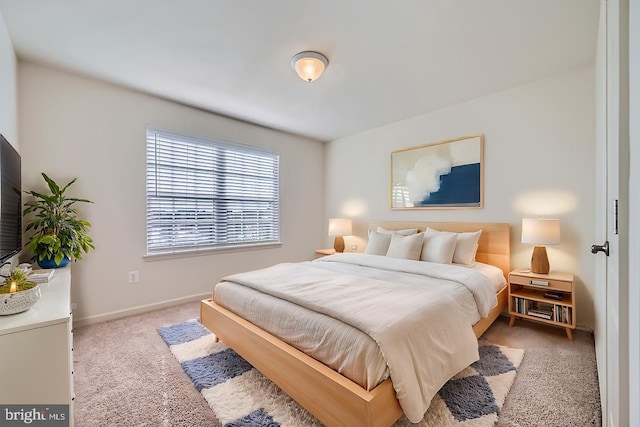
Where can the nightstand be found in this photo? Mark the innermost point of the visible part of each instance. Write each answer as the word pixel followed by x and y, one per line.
pixel 546 298
pixel 324 252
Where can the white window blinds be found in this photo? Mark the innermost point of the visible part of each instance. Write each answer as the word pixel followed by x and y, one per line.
pixel 208 194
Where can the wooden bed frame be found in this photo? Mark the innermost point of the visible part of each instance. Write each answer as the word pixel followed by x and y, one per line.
pixel 332 398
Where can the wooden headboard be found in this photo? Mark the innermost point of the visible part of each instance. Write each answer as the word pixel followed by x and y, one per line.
pixel 494 246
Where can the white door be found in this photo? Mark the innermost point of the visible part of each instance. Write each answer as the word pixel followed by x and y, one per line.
pixel 634 212
pixel 611 332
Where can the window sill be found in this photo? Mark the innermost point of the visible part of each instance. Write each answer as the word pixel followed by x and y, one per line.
pixel 188 253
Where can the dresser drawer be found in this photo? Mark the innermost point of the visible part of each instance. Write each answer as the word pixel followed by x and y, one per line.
pixel 540 282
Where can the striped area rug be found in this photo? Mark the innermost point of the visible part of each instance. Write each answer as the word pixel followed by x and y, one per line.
pixel 240 396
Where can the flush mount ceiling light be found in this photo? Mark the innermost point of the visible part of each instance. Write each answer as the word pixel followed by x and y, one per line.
pixel 309 65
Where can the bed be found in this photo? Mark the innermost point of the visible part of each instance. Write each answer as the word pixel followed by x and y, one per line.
pixel 332 397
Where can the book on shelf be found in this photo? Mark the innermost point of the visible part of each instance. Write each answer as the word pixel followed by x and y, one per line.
pixel 545 307
pixel 562 314
pixel 541 310
pixel 543 314
pixel 519 305
pixel 41 276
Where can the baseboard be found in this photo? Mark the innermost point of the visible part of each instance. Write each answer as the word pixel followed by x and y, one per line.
pixel 137 310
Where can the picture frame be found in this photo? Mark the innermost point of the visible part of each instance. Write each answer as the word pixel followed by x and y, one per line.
pixel 443 175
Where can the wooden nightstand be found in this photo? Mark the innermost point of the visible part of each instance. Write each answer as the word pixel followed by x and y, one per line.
pixel 527 298
pixel 324 252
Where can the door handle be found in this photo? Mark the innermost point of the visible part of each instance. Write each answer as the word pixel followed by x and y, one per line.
pixel 601 248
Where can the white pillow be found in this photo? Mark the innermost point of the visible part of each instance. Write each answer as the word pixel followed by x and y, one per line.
pixel 466 247
pixel 406 247
pixel 378 243
pixel 438 246
pixel 406 232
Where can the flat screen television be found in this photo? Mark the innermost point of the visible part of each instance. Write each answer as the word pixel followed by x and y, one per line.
pixel 10 201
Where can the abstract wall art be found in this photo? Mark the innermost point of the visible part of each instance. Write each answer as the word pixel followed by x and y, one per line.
pixel 444 175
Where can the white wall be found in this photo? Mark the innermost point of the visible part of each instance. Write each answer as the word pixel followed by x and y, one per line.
pixel 538 161
pixel 8 107
pixel 72 126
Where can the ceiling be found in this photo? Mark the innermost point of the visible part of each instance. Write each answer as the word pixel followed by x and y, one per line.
pixel 388 61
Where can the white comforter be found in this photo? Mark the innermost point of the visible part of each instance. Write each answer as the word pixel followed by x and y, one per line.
pixel 421 333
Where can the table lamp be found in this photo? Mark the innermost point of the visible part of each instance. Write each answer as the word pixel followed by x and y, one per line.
pixel 540 232
pixel 339 227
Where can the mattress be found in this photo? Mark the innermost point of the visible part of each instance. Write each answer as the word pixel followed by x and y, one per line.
pixel 344 348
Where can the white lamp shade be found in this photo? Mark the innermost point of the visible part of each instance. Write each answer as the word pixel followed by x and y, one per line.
pixel 541 231
pixel 309 65
pixel 339 227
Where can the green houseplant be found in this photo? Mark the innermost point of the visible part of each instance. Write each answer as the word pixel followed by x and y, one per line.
pixel 60 235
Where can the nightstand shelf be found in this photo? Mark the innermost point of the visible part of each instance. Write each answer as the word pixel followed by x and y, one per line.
pixel 527 299
pixel 534 295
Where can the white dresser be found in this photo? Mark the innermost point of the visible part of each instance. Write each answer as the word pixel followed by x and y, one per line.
pixel 38 343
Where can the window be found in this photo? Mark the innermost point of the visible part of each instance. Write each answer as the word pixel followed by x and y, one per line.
pixel 209 194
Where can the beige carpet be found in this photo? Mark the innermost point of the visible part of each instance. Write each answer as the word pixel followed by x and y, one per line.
pixel 557 382
pixel 126 376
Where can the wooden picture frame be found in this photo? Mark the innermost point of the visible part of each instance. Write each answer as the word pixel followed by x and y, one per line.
pixel 444 175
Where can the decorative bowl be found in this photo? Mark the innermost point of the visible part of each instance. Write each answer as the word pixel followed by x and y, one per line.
pixel 18 302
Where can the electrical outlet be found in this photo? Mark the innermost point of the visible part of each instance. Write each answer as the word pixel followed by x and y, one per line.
pixel 134 277
pixel 74 306
pixel 354 247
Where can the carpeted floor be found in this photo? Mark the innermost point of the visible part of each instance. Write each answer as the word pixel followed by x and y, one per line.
pixel 126 376
pixel 557 382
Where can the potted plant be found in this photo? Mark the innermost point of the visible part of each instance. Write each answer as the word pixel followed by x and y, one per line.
pixel 17 293
pixel 59 234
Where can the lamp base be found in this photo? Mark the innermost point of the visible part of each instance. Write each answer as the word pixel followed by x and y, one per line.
pixel 539 260
pixel 338 244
